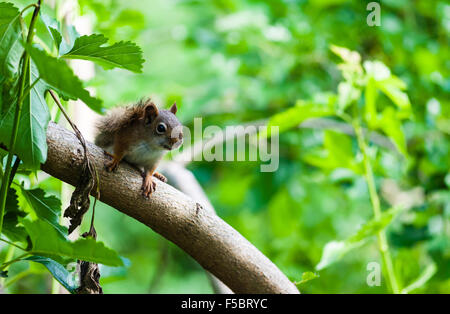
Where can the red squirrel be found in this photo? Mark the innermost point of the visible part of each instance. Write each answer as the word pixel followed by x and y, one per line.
pixel 140 134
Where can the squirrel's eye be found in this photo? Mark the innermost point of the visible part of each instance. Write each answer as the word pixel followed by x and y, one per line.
pixel 161 128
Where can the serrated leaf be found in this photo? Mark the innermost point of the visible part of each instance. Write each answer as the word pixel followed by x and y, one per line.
pixel 58 271
pixel 59 76
pixel 125 55
pixel 47 208
pixel 11 229
pixel 46 241
pixel 10 34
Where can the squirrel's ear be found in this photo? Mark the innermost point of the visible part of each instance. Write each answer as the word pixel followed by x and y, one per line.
pixel 174 109
pixel 151 112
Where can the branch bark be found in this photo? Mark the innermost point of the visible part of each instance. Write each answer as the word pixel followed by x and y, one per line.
pixel 214 244
pixel 182 179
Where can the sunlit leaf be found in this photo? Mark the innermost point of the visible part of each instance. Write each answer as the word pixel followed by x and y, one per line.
pixel 338 153
pixel 302 111
pixel 307 276
pixel 126 55
pixel 370 109
pixel 10 36
pixel 52 27
pixel 393 89
pixel 391 125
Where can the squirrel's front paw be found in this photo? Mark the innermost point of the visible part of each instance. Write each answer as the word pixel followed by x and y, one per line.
pixel 148 187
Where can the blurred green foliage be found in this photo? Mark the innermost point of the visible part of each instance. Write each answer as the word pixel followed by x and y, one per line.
pixel 236 61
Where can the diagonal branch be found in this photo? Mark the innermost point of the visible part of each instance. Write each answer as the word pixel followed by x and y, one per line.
pixel 214 244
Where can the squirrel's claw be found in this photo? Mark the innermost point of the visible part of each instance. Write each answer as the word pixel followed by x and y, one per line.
pixel 148 186
pixel 111 165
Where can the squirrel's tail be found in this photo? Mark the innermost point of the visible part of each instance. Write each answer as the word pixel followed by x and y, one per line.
pixel 108 125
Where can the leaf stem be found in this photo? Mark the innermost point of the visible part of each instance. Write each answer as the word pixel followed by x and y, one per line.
pixel 383 245
pixel 17 259
pixel 23 75
pixel 13 244
pixel 27 7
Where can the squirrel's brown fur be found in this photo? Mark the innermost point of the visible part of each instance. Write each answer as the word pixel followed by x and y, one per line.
pixel 117 119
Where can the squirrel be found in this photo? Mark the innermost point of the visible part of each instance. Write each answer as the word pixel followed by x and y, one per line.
pixel 141 134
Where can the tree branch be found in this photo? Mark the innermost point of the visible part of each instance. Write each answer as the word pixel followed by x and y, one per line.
pixel 214 244
pixel 182 179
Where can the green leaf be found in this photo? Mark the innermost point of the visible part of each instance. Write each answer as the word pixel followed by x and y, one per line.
pixel 62 44
pixel 10 34
pixel 348 56
pixel 52 27
pixel 370 109
pixel 58 271
pixel 338 153
pixel 347 95
pixel 31 142
pixel 59 76
pixel 11 227
pixel 125 55
pixel 371 228
pixel 56 36
pixel 301 112
pixel 392 87
pixel 377 70
pixel 307 276
pixel 391 125
pixel 48 242
pixel 335 250
pixel 47 208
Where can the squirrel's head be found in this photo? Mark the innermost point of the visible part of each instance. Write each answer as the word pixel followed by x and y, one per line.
pixel 165 129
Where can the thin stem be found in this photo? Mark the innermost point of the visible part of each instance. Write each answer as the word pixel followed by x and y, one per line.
pixel 27 7
pixel 13 244
pixel 17 259
pixel 383 245
pixel 15 129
